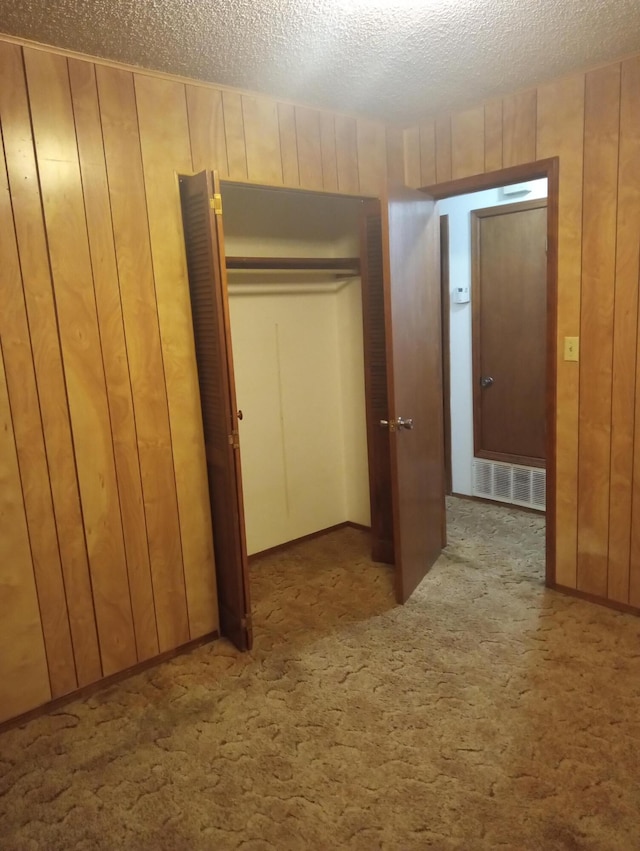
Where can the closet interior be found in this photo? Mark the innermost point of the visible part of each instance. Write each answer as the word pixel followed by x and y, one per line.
pixel 295 303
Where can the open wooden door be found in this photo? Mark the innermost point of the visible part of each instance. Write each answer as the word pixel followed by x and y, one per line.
pixel 204 241
pixel 413 371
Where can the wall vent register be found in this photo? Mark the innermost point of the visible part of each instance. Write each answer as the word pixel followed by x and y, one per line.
pixel 510 483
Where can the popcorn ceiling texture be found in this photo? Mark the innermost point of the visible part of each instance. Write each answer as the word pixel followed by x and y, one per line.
pixel 397 60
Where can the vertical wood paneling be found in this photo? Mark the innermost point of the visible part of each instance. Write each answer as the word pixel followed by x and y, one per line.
pixel 493 135
pixel 24 680
pixel 30 232
pixel 624 535
pixel 234 135
pixel 329 156
pixel 519 128
pixel 114 235
pixel 602 118
pixel 57 157
pixel 288 144
pixel 427 153
pixel 561 133
pixel 372 156
pixel 634 561
pixel 146 367
pixel 107 289
pixel 309 148
pixel 347 155
pixel 395 155
pixel 262 139
pixel 467 143
pixel 443 148
pixel 34 471
pixel 164 137
pixel 411 138
pixel 206 130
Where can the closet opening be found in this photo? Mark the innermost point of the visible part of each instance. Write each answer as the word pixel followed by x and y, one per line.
pixel 296 323
pixel 318 346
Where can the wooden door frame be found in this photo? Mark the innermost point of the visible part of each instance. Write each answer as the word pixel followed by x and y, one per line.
pixel 476 349
pixel 548 168
pixel 445 324
pixel 382 556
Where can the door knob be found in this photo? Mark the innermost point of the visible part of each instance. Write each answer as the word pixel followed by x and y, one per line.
pixel 486 381
pixel 397 424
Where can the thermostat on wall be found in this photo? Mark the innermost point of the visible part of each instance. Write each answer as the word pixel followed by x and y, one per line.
pixel 461 295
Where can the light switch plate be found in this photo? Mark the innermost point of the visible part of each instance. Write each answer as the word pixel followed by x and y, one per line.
pixel 572 348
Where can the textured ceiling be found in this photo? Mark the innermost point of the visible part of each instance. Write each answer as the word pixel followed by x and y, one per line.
pixel 394 59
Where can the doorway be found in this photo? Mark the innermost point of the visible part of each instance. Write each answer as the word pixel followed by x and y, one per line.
pixel 517 477
pixel 509 290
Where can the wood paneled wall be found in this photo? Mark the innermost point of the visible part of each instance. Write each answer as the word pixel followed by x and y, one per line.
pixel 592 123
pixel 106 548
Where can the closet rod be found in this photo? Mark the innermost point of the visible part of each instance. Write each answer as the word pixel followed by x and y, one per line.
pixel 351 264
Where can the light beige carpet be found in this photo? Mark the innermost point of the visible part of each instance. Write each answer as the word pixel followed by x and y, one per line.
pixel 487 713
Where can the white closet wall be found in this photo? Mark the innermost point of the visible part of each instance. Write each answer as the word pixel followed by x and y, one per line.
pixel 354 424
pixel 299 367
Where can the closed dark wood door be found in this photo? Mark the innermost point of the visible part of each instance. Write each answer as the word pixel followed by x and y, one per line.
pixel 509 296
pixel 204 241
pixel 411 236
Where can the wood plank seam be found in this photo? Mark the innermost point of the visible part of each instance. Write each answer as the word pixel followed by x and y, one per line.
pixel 578 441
pixel 635 443
pixel 295 142
pixel 613 330
pixel 104 371
pixel 126 358
pixel 28 530
pixel 589 114
pixel 226 136
pixel 162 353
pixel 535 131
pixel 44 448
pixel 56 317
pixel 191 134
pixel 66 388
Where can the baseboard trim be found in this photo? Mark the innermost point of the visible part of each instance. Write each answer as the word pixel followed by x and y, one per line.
pixel 106 682
pixel 348 524
pixel 594 598
pixel 524 508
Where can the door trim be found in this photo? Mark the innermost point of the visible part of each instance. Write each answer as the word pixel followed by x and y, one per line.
pixel 548 168
pixel 445 307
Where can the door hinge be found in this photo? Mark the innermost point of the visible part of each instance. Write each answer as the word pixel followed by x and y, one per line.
pixel 216 204
pixel 246 622
pixel 234 440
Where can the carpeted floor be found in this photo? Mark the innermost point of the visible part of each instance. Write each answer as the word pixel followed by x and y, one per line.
pixel 487 713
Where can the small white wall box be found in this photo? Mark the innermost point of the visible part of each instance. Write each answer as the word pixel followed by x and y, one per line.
pixel 461 295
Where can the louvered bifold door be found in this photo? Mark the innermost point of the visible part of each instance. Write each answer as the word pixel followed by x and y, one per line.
pixel 377 404
pixel 204 242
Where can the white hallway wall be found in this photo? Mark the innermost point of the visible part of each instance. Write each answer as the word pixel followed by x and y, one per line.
pixel 459 209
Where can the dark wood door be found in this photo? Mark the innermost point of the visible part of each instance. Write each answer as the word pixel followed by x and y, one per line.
pixel 410 244
pixel 374 306
pixel 204 241
pixel 509 293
